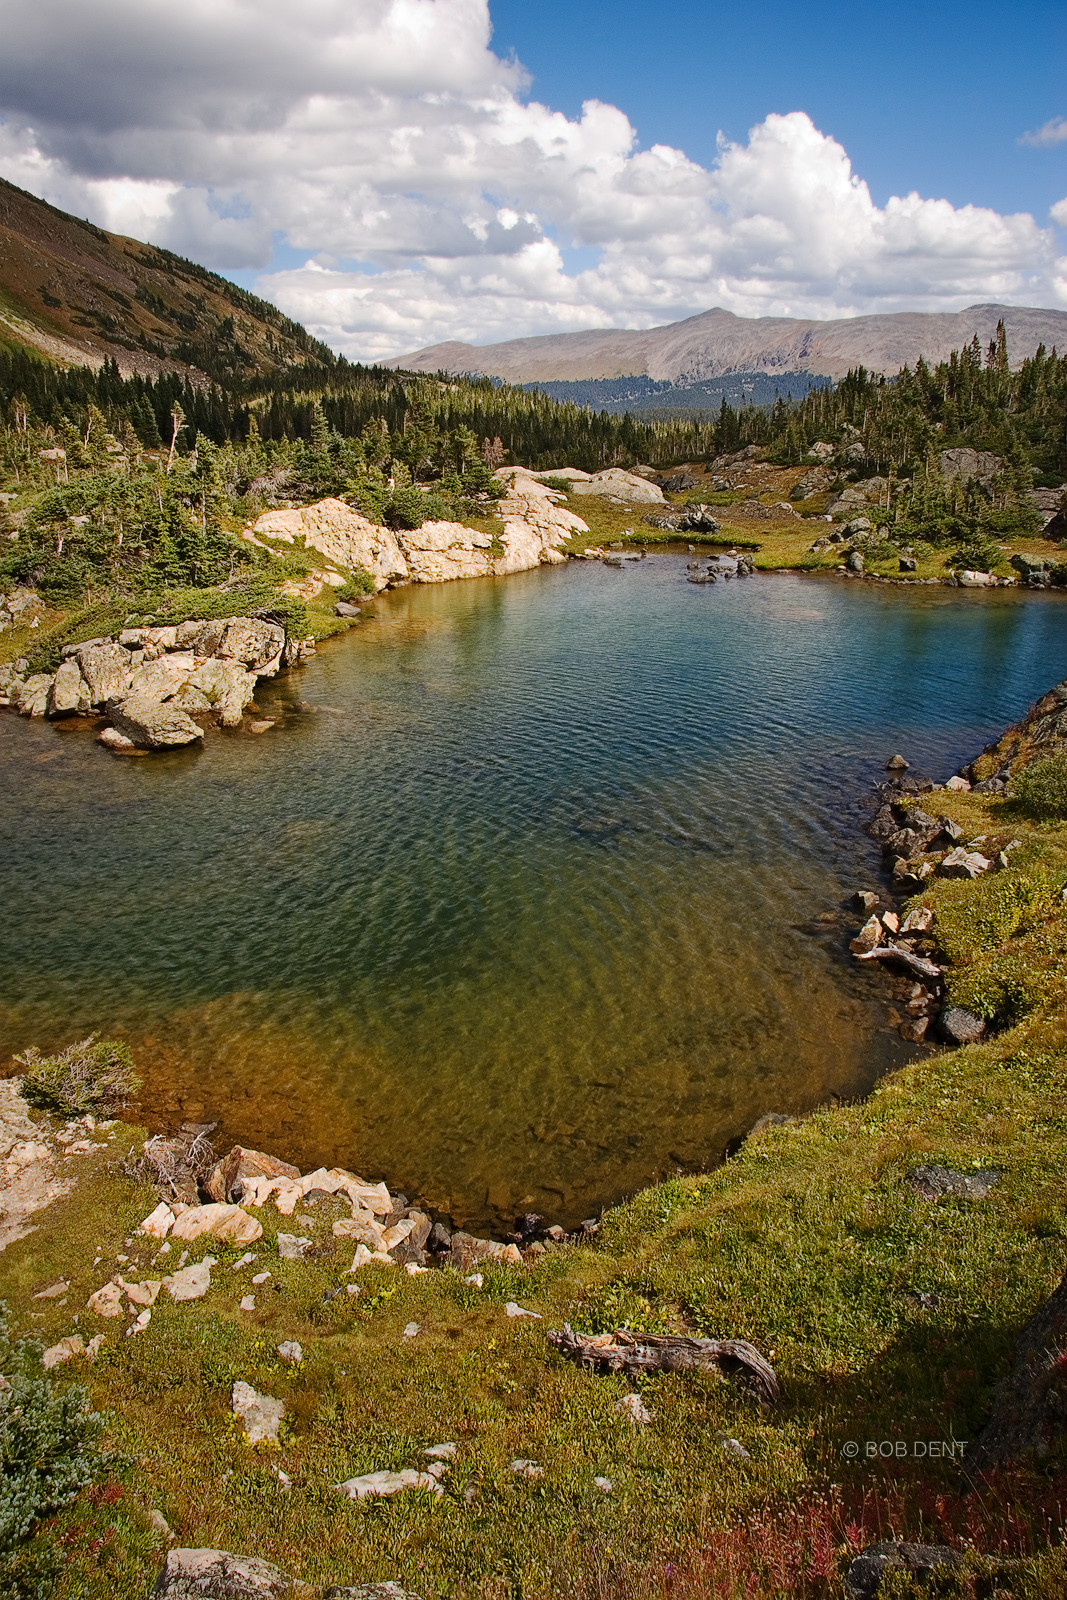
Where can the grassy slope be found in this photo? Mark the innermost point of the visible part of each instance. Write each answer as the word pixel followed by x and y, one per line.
pixel 104 291
pixel 808 1242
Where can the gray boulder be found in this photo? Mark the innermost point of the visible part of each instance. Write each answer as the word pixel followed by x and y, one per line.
pixel 959 1026
pixel 854 561
pixel 965 463
pixel 152 724
pixel 218 1575
pixel 864 1576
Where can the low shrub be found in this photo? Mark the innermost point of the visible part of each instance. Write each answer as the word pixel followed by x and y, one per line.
pixel 1040 790
pixel 90 1075
pixel 410 508
pixel 976 555
pixel 359 584
pixel 48 1452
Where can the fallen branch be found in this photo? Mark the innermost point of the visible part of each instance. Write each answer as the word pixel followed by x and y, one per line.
pixel 635 1353
pixel 907 958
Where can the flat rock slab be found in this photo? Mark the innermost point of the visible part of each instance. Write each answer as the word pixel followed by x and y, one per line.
pixel 191 1283
pixel 372 1484
pixel 389 1590
pixel 218 1575
pixel 226 1222
pixel 933 1182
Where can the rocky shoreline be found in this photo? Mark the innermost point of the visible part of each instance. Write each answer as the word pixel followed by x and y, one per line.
pixel 919 846
pixel 151 684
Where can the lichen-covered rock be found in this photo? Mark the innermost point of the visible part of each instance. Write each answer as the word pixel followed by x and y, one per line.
pixel 218 1575
pixel 153 724
pixel 107 670
pixel 865 1573
pixel 959 1026
pixel 254 643
pixel 935 1181
pixel 31 696
pixel 163 677
pixel 69 693
pixel 227 684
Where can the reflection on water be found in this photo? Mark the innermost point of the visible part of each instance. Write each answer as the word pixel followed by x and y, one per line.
pixel 515 904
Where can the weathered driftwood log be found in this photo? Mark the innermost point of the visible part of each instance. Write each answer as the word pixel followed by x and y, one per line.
pixel 907 958
pixel 623 1351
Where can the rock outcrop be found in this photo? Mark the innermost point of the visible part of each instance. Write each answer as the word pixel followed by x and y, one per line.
pixel 615 484
pixel 535 525
pixel 340 534
pixel 152 683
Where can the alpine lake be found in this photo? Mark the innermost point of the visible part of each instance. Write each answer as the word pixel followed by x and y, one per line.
pixel 517 904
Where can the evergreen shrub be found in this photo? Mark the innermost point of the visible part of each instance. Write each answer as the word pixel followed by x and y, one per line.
pixel 91 1075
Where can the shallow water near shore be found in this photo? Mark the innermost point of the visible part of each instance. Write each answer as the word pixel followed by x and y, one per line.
pixel 516 904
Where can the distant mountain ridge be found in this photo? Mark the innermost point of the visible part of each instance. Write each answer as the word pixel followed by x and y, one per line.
pixel 646 397
pixel 718 343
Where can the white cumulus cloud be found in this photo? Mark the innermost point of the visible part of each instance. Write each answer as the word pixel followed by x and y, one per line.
pixel 387 143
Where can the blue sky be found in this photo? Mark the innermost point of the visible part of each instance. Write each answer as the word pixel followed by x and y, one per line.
pixel 381 170
pixel 931 97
